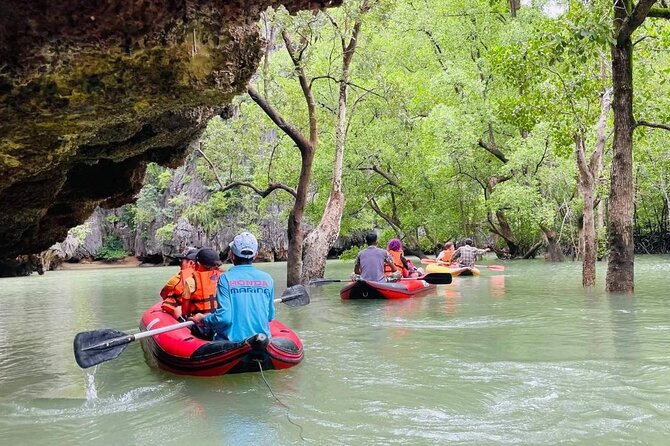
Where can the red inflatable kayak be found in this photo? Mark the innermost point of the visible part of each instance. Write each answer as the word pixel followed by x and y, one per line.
pixel 180 352
pixel 362 289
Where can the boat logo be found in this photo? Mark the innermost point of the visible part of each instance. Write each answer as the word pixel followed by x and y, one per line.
pixel 152 323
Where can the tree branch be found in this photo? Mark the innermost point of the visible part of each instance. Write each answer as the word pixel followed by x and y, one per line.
pixel 652 125
pixel 392 181
pixel 389 219
pixel 264 192
pixel 211 165
pixel 493 151
pixel 351 84
pixel 605 104
pixel 224 187
pixel 580 151
pixel 374 192
pixel 546 149
pixel 477 180
pixel 288 128
pixel 660 13
pixel 634 20
pixel 304 84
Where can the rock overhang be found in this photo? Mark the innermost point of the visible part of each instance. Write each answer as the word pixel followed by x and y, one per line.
pixel 92 91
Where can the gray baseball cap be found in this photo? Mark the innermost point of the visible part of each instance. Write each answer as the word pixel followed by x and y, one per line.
pixel 244 245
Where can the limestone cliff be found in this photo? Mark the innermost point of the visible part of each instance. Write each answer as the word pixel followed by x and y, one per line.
pixel 92 90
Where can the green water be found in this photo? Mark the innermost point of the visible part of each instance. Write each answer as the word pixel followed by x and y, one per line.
pixel 520 357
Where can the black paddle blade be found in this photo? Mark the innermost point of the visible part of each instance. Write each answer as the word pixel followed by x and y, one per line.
pixel 437 278
pixel 318 282
pixel 93 347
pixel 295 296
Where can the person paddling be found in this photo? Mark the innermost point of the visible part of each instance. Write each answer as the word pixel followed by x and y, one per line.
pixel 370 263
pixel 245 296
pixel 467 254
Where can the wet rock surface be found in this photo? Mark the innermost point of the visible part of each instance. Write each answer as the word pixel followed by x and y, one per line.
pixel 91 91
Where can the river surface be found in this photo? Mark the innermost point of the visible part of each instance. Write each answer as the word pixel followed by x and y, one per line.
pixel 521 357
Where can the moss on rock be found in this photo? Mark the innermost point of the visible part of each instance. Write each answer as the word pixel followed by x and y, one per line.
pixel 90 92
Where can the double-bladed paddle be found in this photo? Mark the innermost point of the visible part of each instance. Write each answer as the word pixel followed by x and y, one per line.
pixel 432 278
pixel 447 264
pixel 93 347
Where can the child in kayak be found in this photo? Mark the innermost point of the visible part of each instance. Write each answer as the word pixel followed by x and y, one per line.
pixel 402 264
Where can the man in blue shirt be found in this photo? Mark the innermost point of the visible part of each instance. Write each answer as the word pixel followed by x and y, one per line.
pixel 245 296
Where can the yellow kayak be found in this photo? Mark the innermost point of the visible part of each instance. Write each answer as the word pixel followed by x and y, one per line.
pixel 454 271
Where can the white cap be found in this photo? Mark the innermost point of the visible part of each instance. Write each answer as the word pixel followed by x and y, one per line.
pixel 244 245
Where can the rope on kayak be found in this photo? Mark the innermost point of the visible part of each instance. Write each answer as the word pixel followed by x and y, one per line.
pixel 288 415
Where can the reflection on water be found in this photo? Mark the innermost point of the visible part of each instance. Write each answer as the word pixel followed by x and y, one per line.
pixel 524 357
pixel 497 285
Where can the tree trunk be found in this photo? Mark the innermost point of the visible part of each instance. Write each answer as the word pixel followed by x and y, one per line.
pixel 554 252
pixel 323 237
pixel 588 177
pixel 620 267
pixel 666 201
pixel 589 244
pixel 296 231
pixel 514 6
pixel 320 240
pixel 505 231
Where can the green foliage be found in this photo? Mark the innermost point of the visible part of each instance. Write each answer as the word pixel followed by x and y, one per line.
pixel 164 233
pixel 80 232
pixel 458 114
pixel 164 179
pixel 112 219
pixel 147 204
pixel 112 249
pixel 351 253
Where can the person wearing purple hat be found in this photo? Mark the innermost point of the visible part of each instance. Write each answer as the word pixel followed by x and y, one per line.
pixel 402 264
pixel 245 296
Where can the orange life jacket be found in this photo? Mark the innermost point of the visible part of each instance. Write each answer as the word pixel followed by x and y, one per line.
pixel 203 299
pixel 397 261
pixel 445 255
pixel 174 290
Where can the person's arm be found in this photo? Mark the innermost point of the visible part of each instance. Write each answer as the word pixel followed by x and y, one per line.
pixel 440 257
pixel 455 255
pixel 222 316
pixel 189 287
pixel 357 265
pixel 389 261
pixel 405 263
pixel 271 309
pixel 169 288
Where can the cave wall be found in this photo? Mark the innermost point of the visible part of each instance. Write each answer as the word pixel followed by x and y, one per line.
pixel 93 90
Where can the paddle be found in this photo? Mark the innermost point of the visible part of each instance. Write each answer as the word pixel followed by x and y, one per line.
pixel 432 278
pixel 439 262
pixel 93 347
